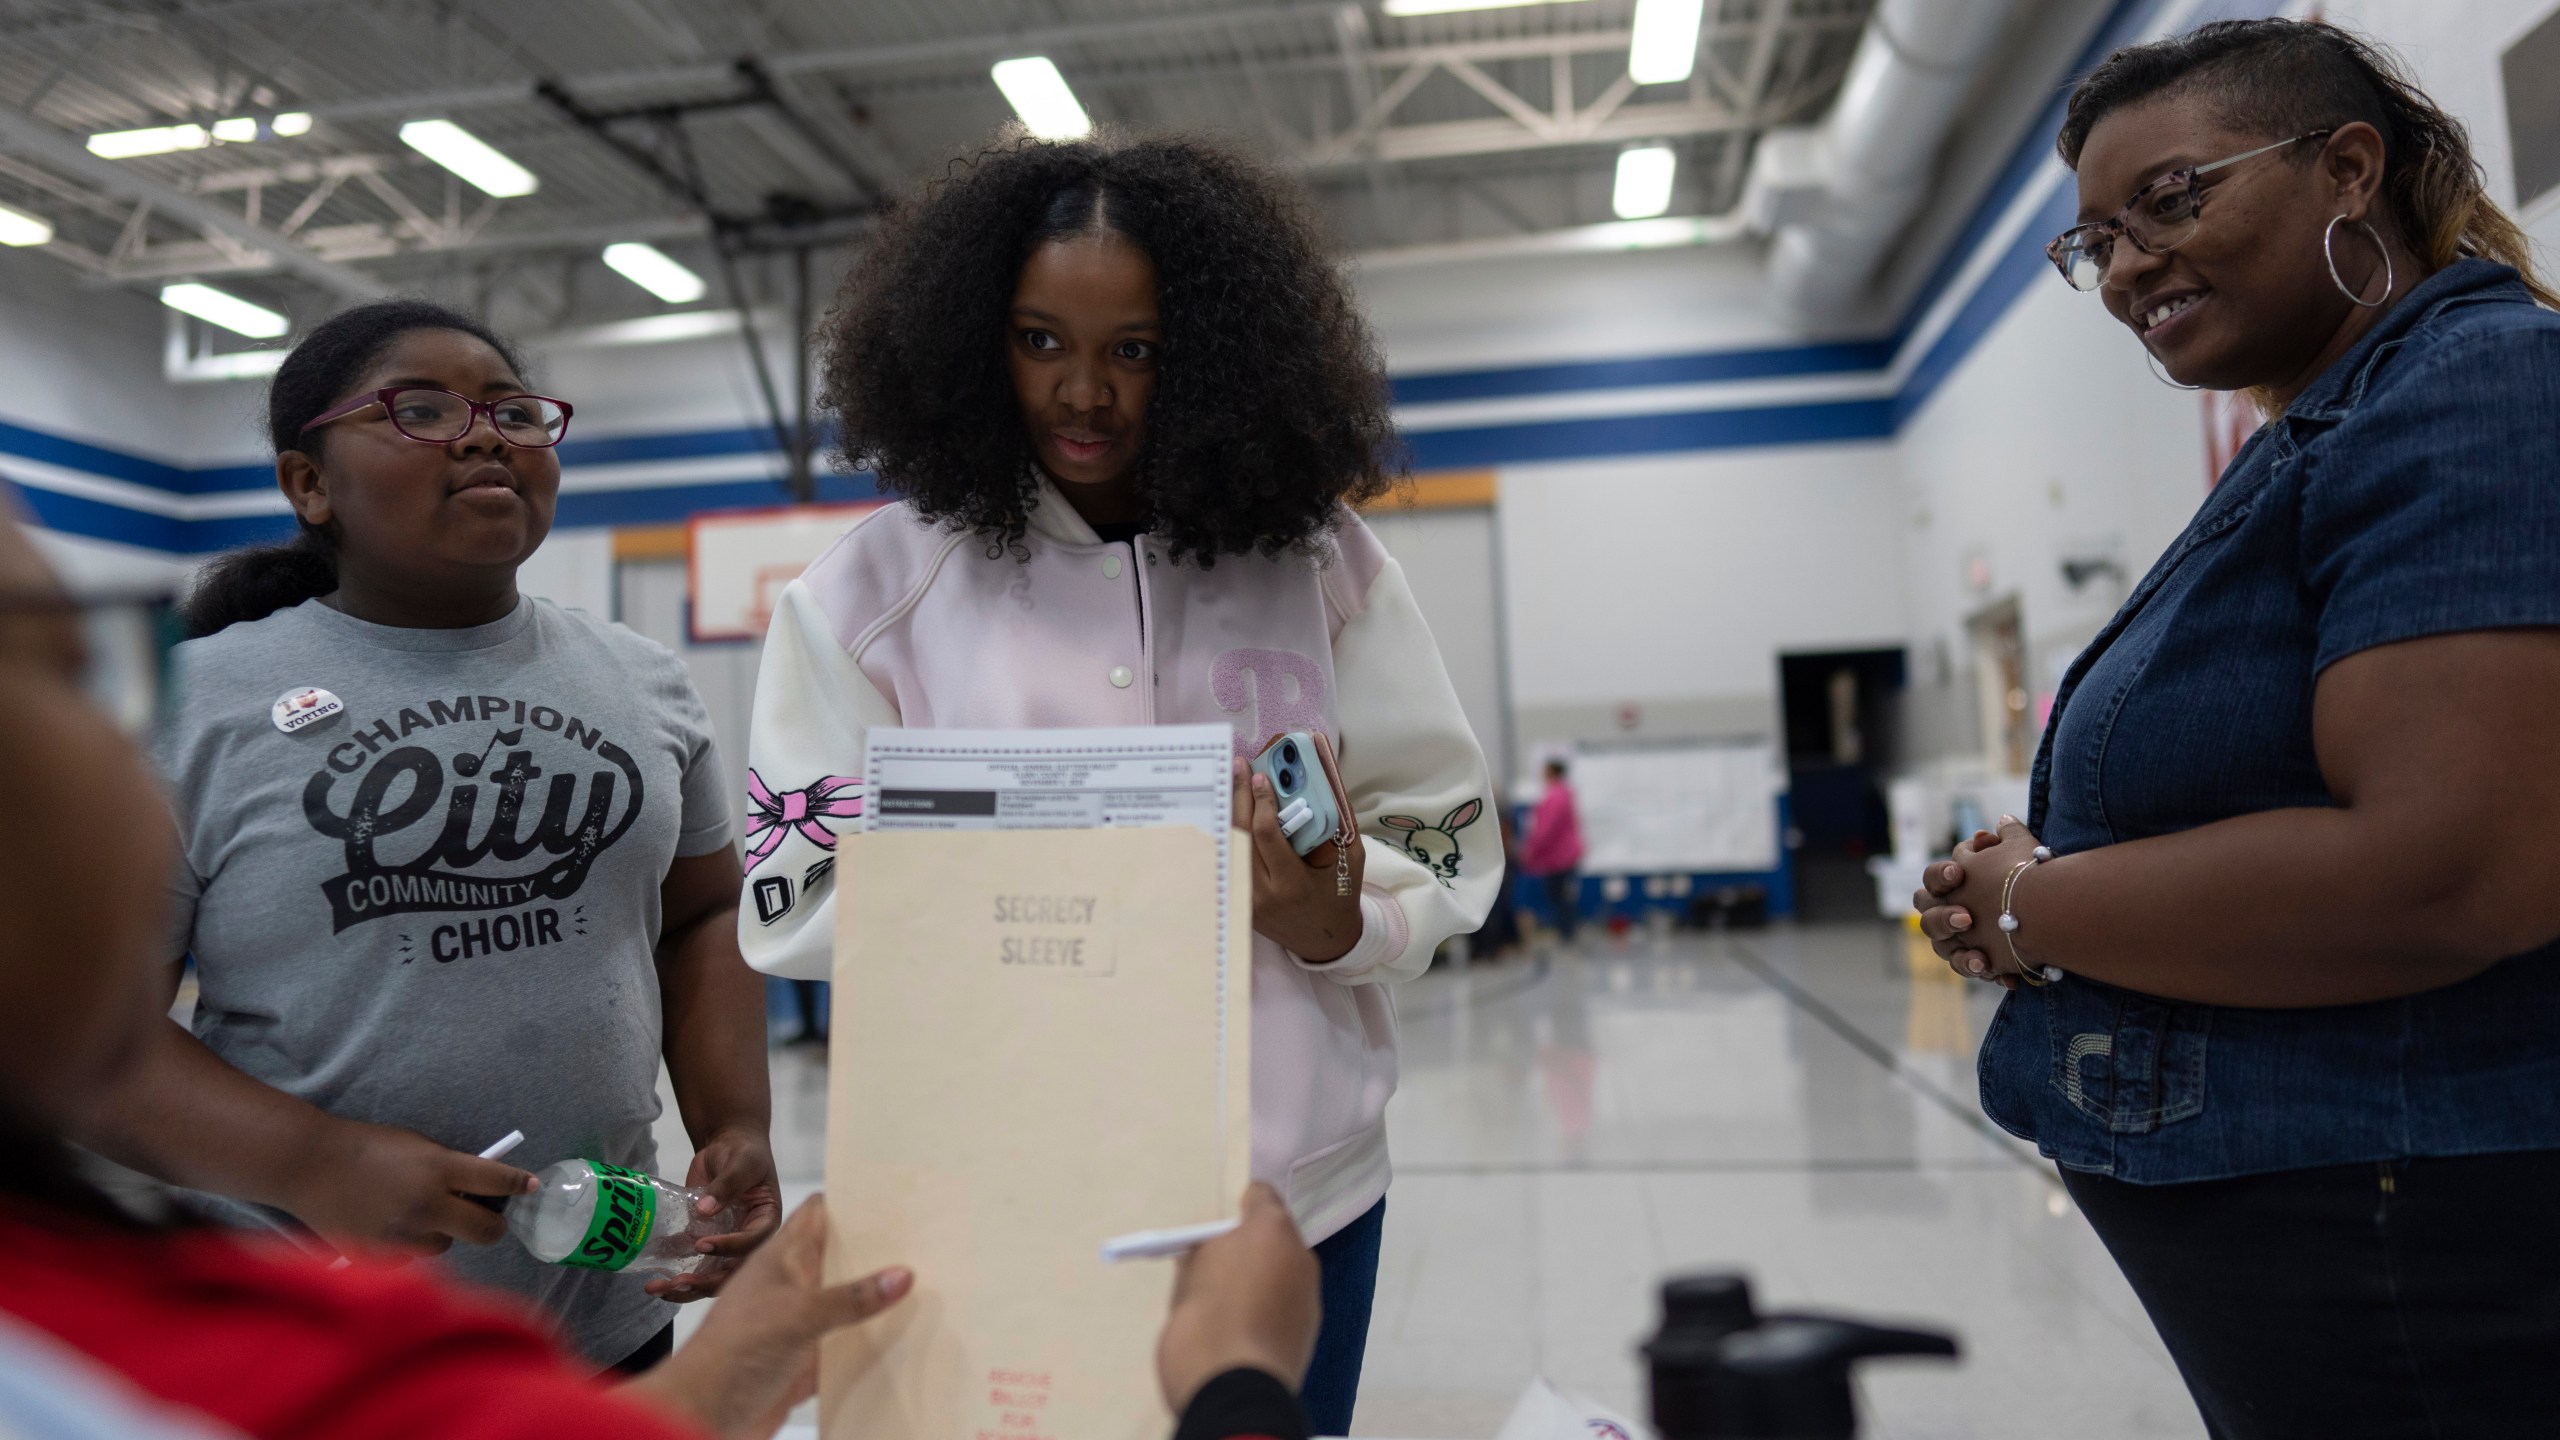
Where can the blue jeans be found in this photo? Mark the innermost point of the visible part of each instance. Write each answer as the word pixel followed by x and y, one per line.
pixel 1348 1261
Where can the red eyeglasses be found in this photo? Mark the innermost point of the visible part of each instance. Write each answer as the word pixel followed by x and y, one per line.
pixel 440 417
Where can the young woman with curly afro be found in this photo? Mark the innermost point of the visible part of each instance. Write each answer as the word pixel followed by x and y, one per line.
pixel 1128 406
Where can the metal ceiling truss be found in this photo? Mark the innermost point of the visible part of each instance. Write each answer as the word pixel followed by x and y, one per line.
pixel 653 138
pixel 183 244
pixel 233 235
pixel 1312 79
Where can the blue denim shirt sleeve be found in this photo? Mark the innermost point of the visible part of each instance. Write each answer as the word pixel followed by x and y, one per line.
pixel 2435 506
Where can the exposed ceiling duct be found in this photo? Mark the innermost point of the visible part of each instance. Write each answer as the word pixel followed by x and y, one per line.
pixel 1836 196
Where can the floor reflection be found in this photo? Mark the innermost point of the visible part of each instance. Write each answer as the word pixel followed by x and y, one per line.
pixel 1574 1124
pixel 1798 1102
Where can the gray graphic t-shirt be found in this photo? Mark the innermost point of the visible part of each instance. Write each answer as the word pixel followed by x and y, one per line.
pixel 437 907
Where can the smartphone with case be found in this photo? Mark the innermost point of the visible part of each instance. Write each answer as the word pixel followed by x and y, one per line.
pixel 1304 793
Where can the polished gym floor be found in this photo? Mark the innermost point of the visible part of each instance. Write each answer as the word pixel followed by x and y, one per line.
pixel 1797 1102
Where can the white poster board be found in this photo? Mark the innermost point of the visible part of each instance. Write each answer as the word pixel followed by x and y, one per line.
pixel 1679 808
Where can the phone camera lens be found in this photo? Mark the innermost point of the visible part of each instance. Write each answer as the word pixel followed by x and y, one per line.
pixel 1289 752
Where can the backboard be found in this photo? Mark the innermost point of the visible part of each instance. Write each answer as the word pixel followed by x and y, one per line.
pixel 738 561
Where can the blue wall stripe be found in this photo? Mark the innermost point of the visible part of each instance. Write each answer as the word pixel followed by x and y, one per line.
pixel 89 459
pixel 96 519
pixel 100 520
pixel 224 479
pixel 2022 265
pixel 1843 420
pixel 229 532
pixel 2129 20
pixel 681 445
pixel 660 505
pixel 1702 368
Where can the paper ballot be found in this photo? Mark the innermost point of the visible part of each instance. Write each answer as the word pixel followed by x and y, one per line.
pixel 1049 779
pixel 1038 1049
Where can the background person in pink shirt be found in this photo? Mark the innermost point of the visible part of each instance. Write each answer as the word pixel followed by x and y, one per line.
pixel 1553 853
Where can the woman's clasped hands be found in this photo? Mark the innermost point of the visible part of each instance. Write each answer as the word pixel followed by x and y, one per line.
pixel 1959 901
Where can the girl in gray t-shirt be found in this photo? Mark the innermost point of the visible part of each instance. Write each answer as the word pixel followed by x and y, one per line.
pixel 456 861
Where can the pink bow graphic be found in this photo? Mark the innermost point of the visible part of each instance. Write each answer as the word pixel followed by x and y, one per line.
pixel 778 815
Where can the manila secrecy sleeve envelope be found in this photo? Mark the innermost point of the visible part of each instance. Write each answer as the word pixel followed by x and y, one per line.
pixel 1029 1060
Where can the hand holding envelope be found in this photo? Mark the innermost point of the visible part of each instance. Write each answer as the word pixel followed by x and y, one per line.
pixel 1246 1300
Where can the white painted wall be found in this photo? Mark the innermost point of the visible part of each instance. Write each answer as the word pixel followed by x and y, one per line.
pixel 224 421
pixel 2054 440
pixel 83 362
pixel 1485 313
pixel 1448 558
pixel 2454 46
pixel 1672 583
pixel 698 384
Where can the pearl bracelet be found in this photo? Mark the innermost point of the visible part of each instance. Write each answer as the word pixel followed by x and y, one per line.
pixel 2033 974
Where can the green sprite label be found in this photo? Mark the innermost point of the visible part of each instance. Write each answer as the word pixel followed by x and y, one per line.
pixel 626 1212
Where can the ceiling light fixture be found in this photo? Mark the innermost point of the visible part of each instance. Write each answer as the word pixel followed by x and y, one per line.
pixel 17 227
pixel 1644 181
pixel 166 139
pixel 1039 94
pixel 153 140
pixel 470 157
pixel 1399 9
pixel 220 307
pixel 1664 48
pixel 653 270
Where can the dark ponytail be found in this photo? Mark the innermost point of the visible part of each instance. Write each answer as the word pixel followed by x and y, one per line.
pixel 253 583
pixel 256 581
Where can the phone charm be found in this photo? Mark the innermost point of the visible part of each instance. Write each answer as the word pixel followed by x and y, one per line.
pixel 1342 862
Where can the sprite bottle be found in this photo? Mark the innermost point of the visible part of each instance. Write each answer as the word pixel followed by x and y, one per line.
pixel 605 1217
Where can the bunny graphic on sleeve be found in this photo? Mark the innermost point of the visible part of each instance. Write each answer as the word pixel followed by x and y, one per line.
pixel 1436 846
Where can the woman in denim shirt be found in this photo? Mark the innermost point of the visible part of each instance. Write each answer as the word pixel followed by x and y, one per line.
pixel 2285 1002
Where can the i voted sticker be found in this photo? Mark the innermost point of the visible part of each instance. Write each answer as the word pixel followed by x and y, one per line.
pixel 295 709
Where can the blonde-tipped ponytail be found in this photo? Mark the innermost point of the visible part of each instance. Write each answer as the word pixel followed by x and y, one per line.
pixel 2290 77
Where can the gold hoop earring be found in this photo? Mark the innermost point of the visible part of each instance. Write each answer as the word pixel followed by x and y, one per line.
pixel 2328 253
pixel 2162 375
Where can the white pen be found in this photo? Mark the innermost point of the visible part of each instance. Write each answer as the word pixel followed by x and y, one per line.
pixel 497 1150
pixel 1157 1244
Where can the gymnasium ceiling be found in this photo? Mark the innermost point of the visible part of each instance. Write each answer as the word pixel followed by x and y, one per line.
pixel 791 121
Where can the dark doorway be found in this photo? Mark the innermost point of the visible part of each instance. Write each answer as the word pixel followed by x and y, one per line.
pixel 1839 708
